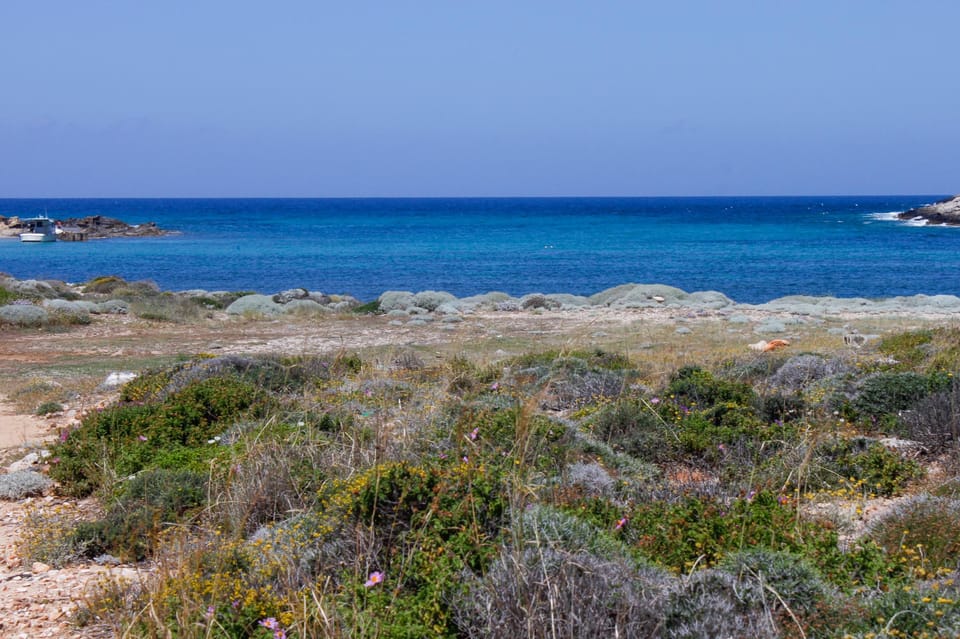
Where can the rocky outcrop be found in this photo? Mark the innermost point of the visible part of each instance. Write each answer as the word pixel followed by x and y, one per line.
pixel 942 212
pixel 91 227
pixel 98 227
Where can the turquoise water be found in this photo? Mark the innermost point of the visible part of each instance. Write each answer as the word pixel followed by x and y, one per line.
pixel 752 249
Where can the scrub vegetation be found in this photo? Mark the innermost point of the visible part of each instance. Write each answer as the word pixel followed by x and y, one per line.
pixel 559 493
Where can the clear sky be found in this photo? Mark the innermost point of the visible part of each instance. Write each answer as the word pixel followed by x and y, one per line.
pixel 197 98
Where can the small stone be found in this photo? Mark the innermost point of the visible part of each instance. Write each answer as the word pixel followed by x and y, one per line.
pixel 38 567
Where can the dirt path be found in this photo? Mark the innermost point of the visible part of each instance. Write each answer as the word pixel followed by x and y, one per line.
pixel 36 600
pixel 22 431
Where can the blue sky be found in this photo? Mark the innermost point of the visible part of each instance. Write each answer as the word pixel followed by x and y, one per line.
pixel 313 98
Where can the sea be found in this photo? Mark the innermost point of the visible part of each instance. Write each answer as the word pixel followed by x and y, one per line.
pixel 753 249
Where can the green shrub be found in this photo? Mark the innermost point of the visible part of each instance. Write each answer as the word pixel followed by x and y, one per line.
pixel 369 307
pixel 864 463
pixel 124 439
pixel 885 394
pixel 150 502
pixel 48 408
pixel 634 427
pixel 692 386
pixel 596 359
pixel 7 296
pixel 690 531
pixel 909 349
pixel 104 284
pixel 924 531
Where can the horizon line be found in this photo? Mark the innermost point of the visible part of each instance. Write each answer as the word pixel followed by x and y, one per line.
pixel 455 197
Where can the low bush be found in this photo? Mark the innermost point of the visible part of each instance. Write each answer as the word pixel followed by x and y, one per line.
pixel 23 483
pixel 908 349
pixel 934 421
pixel 883 395
pixel 692 386
pixel 546 592
pixel 24 315
pixel 124 439
pixel 105 284
pixel 862 463
pixel 48 408
pixel 634 427
pixel 149 503
pixel 924 531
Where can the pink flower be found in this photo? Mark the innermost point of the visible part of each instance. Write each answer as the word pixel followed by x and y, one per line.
pixel 654 400
pixel 474 433
pixel 375 577
pixel 465 459
pixel 495 386
pixel 620 523
pixel 210 612
pixel 270 623
pixel 142 438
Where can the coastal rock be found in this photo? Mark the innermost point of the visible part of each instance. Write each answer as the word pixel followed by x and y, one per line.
pixel 943 212
pixel 430 300
pixel 304 307
pixel 487 301
pixel 391 300
pixel 117 379
pixel 30 288
pixel 567 301
pixel 654 295
pixel 538 300
pixel 255 305
pixel 99 227
pixel 770 326
pixel 291 294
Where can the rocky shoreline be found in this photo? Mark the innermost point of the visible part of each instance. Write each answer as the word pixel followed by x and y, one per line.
pixel 35 302
pixel 945 212
pixel 94 227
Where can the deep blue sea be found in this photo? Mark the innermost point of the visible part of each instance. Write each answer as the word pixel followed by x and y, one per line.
pixel 751 248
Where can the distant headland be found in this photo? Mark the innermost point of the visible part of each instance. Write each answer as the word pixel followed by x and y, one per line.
pixel 93 227
pixel 945 212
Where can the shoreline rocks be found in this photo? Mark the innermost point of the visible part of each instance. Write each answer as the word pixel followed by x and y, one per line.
pixel 36 302
pixel 945 212
pixel 93 227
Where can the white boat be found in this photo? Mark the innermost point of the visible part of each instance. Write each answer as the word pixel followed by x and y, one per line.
pixel 38 229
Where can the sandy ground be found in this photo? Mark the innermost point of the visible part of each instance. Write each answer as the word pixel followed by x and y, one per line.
pixel 37 600
pixel 20 431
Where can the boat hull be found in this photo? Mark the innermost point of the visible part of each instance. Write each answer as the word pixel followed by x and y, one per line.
pixel 37 237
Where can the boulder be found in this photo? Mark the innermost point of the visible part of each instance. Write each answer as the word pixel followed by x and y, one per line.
pixel 255 305
pixel 291 294
pixel 390 300
pixel 943 212
pixel 430 300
